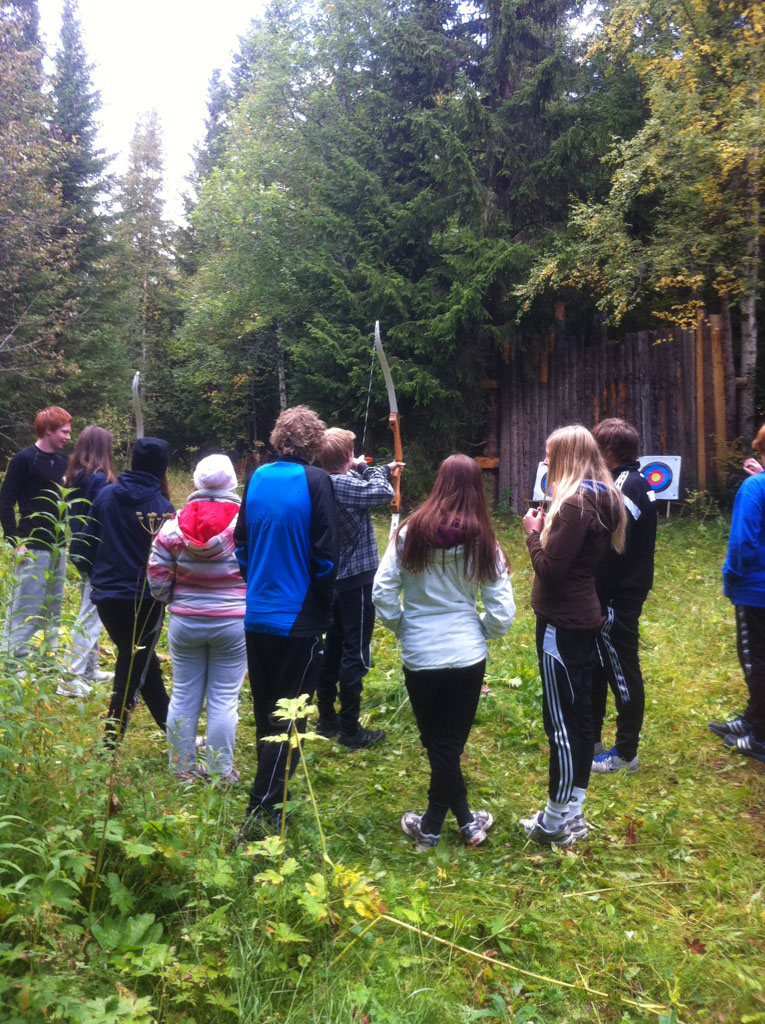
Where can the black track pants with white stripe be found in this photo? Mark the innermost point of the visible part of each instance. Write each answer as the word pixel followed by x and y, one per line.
pixel 750 637
pixel 279 666
pixel 618 666
pixel 566 660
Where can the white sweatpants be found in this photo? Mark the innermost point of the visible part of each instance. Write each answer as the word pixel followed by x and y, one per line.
pixel 37 594
pixel 209 658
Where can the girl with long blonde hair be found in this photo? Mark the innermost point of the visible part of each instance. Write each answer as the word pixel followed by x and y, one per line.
pixel 565 543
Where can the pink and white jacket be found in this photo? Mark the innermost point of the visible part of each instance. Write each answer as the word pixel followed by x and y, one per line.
pixel 192 566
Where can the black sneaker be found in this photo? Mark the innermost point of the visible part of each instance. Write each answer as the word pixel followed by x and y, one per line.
pixel 361 738
pixel 256 826
pixel 746 745
pixel 326 727
pixel 736 727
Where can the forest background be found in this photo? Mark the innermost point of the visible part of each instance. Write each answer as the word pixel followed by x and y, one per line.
pixel 449 169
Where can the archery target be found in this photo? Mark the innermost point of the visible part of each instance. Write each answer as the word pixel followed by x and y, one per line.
pixel 662 473
pixel 540 483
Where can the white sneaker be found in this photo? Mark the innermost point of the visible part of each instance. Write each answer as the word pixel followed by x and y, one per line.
pixel 101 677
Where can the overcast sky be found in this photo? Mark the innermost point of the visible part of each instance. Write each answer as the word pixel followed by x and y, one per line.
pixel 155 53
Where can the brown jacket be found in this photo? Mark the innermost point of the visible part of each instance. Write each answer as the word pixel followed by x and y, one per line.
pixel 564 589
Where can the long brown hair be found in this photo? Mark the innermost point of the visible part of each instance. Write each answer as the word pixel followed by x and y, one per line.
pixel 92 454
pixel 457 508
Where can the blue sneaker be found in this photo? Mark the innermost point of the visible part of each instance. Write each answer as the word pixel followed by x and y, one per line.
pixel 746 745
pixel 606 764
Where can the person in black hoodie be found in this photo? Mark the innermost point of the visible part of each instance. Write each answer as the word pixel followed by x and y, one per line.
pixel 126 515
pixel 623 582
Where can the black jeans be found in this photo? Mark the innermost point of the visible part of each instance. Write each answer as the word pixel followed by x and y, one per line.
pixel 618 666
pixel 279 666
pixel 566 663
pixel 750 637
pixel 346 656
pixel 129 623
pixel 444 702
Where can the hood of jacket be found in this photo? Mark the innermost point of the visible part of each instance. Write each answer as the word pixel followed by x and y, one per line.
pixel 605 502
pixel 135 487
pixel 202 522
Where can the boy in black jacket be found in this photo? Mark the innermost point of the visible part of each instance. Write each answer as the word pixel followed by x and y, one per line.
pixel 32 484
pixel 623 582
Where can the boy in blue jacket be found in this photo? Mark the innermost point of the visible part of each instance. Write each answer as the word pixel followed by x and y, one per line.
pixel 744 585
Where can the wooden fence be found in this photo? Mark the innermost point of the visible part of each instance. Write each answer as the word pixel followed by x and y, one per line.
pixel 671 384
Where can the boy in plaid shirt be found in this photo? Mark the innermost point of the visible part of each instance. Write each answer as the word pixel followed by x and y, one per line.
pixel 358 488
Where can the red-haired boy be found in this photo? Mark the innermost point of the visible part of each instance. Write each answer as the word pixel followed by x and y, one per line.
pixel 32 484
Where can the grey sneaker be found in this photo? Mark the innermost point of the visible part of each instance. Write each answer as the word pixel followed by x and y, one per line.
pixel 535 830
pixel 578 826
pixel 410 825
pixel 474 833
pixel 74 687
pixel 195 773
pixel 609 762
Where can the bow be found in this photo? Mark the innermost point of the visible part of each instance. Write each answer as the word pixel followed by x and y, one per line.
pixel 394 425
pixel 137 407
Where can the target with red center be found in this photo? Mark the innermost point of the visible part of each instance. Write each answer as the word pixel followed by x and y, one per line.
pixel 662 475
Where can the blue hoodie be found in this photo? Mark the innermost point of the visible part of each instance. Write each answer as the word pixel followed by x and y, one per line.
pixel 117 545
pixel 744 569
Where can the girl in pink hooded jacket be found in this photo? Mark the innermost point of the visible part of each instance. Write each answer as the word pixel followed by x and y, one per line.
pixel 193 569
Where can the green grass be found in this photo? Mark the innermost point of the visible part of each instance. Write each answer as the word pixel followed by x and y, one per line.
pixel 662 905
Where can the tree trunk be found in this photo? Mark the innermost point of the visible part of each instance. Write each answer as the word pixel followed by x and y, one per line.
pixel 280 369
pixel 748 365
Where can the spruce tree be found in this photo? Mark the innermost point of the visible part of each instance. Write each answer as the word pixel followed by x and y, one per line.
pixel 91 340
pixel 35 250
pixel 148 272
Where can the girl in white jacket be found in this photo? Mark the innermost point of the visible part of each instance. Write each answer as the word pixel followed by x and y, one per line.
pixel 439 560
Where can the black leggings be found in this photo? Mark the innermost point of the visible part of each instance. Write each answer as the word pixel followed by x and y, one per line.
pixel 128 623
pixel 444 702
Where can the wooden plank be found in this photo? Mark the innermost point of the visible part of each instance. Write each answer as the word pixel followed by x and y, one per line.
pixel 718 391
pixel 679 411
pixel 643 360
pixel 504 474
pixel 487 463
pixel 701 439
